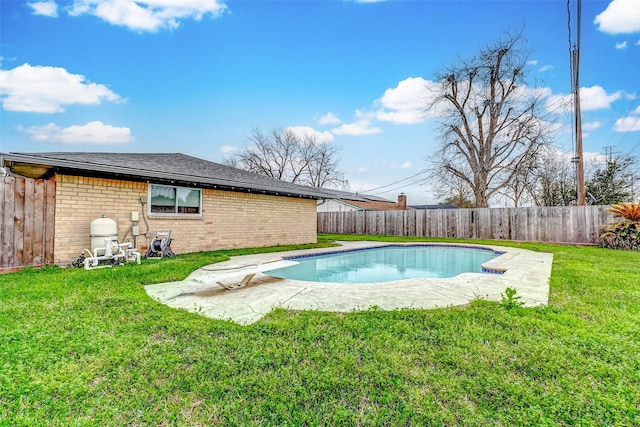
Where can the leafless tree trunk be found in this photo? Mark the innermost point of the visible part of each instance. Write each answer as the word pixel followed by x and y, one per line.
pixel 491 122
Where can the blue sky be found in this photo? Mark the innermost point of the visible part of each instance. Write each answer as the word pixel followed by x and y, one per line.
pixel 197 76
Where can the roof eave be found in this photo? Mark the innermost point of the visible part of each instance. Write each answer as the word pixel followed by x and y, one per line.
pixel 61 166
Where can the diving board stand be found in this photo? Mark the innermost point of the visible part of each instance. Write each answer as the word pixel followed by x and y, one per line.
pixel 245 274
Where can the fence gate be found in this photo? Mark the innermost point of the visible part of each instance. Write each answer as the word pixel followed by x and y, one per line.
pixel 27 215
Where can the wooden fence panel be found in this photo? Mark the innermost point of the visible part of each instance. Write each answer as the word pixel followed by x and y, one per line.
pixel 29 215
pixel 18 222
pixel 483 223
pixel 377 222
pixel 419 221
pixel 361 222
pixel 39 202
pixel 410 228
pixel 557 224
pixel 27 212
pixel 518 220
pixel 464 224
pixel 430 220
pixel 7 223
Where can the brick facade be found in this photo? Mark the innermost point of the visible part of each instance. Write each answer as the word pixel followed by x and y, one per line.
pixel 229 219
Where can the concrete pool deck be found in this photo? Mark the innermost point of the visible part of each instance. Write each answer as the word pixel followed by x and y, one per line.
pixel 526 271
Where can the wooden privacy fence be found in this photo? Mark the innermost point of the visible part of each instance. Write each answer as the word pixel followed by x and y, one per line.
pixel 27 213
pixel 557 224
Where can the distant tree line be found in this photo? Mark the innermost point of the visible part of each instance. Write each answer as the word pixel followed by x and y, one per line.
pixel 552 182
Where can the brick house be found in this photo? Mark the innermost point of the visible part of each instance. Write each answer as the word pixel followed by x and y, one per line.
pixel 206 205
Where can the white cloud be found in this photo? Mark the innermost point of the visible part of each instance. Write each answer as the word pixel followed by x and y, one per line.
pixel 591 98
pixel 227 149
pixel 404 104
pixel 631 123
pixel 362 126
pixel 596 98
pixel 627 124
pixel 304 131
pixel 362 170
pixel 147 15
pixel 621 45
pixel 532 62
pixel 587 127
pixel 40 89
pixel 590 158
pixel 328 119
pixel 620 17
pixel 94 132
pixel 357 128
pixel 45 8
pixel 546 68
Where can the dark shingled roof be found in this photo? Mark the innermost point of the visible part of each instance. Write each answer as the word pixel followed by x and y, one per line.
pixel 162 168
pixel 346 195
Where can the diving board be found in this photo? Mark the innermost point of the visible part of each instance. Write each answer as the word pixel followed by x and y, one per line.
pixel 244 273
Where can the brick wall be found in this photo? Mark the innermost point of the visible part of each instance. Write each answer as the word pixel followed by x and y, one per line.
pixel 229 219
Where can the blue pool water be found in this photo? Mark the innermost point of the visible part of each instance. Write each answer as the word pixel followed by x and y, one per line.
pixel 387 263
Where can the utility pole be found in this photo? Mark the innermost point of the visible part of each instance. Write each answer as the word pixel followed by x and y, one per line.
pixel 578 129
pixel 579 158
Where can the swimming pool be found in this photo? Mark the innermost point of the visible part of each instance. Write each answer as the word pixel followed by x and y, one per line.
pixel 387 263
pixel 527 271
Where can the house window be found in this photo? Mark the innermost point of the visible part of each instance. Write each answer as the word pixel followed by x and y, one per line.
pixel 175 200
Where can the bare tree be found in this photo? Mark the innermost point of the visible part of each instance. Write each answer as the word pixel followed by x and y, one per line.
pixel 520 190
pixel 491 122
pixel 454 191
pixel 322 168
pixel 271 154
pixel 284 155
pixel 554 180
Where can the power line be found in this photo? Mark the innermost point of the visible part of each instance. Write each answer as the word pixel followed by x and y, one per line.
pixel 628 114
pixel 395 182
pixel 395 188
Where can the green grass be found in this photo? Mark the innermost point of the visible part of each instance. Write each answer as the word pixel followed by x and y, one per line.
pixel 91 348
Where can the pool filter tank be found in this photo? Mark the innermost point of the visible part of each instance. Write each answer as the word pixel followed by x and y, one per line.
pixel 106 251
pixel 102 229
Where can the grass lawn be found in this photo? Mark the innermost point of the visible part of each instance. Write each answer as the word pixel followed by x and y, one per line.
pixel 91 348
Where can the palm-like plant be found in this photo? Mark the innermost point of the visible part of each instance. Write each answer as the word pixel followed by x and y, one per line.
pixel 630 211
